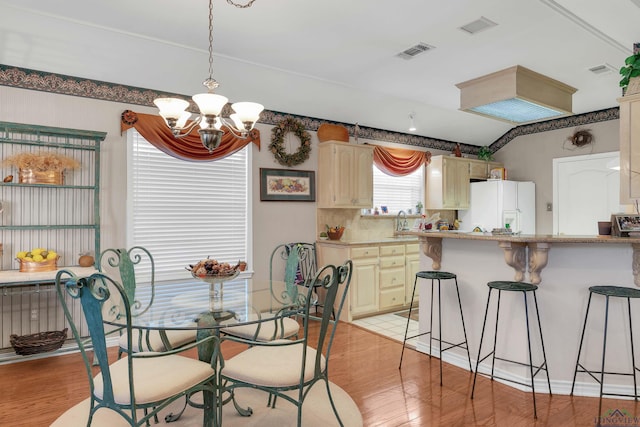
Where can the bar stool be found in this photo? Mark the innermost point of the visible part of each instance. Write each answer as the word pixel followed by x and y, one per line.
pixel 607 292
pixel 513 287
pixel 436 276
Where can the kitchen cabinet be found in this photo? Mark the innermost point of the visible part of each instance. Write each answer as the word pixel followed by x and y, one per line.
pixel 392 276
pixel 448 182
pixel 380 274
pixel 345 175
pixel 412 257
pixel 629 148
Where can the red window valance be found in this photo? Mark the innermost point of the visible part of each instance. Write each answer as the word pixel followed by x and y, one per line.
pixel 153 129
pixel 398 161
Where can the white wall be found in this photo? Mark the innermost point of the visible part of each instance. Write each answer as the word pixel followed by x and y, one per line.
pixel 273 222
pixel 529 158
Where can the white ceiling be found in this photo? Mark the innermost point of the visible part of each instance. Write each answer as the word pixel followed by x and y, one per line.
pixel 330 59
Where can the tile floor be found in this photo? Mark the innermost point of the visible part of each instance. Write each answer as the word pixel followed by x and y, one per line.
pixel 390 325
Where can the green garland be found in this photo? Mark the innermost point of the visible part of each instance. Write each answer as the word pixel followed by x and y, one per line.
pixel 277 142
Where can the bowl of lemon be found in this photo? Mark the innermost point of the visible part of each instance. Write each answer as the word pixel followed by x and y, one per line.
pixel 38 259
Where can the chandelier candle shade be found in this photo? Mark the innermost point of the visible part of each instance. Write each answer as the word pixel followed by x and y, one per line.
pixel 174 110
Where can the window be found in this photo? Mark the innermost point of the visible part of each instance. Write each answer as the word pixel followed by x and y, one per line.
pixel 398 192
pixel 185 211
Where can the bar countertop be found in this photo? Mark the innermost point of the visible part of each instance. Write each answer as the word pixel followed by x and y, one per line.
pixel 521 238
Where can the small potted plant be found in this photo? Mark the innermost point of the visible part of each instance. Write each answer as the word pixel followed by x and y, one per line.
pixel 484 153
pixel 419 207
pixel 630 72
pixel 324 235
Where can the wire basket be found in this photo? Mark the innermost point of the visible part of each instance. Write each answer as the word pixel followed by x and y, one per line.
pixel 40 342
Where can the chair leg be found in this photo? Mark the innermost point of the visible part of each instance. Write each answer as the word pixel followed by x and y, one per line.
pixel 584 328
pixel 333 405
pixel 495 336
pixel 431 322
pixel 440 328
pixel 484 323
pixel 544 353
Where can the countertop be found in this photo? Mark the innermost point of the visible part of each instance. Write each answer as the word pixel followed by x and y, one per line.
pixel 372 241
pixel 524 238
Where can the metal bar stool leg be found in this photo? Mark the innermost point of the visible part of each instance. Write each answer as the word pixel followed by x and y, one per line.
pixel 464 329
pixel 604 351
pixel 544 353
pixel 484 323
pixel 633 356
pixel 440 328
pixel 533 389
pixel 495 336
pixel 406 330
pixel 584 328
pixel 431 322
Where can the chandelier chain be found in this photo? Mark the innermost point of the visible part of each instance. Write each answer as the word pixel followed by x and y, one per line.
pixel 210 39
pixel 241 6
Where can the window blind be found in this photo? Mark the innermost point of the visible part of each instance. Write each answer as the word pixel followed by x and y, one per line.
pixel 398 192
pixel 184 211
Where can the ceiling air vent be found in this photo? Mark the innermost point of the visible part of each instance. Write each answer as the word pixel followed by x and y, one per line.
pixel 478 25
pixel 602 69
pixel 413 51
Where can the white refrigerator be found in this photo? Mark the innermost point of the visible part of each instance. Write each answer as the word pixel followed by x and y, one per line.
pixel 495 203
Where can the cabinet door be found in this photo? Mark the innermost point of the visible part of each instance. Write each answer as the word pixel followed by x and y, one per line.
pixel 364 287
pixel 462 185
pixel 343 175
pixel 363 177
pixel 456 182
pixel 629 148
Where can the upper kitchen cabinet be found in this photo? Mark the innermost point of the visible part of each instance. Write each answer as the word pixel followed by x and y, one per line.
pixel 448 180
pixel 479 170
pixel 629 148
pixel 345 175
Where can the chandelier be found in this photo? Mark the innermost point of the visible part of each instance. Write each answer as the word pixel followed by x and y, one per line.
pixel 175 114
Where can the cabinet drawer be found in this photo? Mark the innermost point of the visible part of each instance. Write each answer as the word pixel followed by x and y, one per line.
pixel 413 248
pixel 389 250
pixel 364 252
pixel 392 261
pixel 392 277
pixel 391 297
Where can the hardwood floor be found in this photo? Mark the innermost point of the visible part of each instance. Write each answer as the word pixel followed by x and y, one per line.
pixel 34 393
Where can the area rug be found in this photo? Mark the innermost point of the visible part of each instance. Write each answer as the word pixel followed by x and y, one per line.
pixel 405 314
pixel 316 412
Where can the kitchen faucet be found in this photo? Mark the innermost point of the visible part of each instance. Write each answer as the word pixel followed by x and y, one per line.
pixel 401 224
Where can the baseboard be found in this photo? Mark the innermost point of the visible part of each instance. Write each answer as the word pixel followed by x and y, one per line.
pixel 582 388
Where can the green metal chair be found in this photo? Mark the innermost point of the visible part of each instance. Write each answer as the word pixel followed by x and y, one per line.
pixel 284 365
pixel 293 263
pixel 123 263
pixel 141 381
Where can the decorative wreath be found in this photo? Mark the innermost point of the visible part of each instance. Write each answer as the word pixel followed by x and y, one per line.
pixel 277 142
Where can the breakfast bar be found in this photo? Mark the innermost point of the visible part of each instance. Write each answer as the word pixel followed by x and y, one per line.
pixel 516 246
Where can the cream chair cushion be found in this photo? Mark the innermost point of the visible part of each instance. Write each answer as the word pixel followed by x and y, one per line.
pixel 177 338
pixel 286 327
pixel 155 378
pixel 272 365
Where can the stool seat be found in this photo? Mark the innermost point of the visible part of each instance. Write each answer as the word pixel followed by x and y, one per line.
pixel 436 275
pixel 512 286
pixel 616 291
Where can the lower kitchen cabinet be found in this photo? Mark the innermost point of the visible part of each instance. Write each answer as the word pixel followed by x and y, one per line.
pixel 379 281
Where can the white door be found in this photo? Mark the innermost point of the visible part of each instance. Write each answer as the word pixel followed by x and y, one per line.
pixel 585 190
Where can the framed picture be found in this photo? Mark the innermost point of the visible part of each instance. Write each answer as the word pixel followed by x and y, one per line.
pixel 623 224
pixel 287 185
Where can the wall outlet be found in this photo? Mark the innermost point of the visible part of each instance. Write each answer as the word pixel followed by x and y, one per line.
pixel 34 314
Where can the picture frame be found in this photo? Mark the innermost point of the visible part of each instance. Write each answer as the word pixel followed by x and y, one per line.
pixel 287 185
pixel 623 224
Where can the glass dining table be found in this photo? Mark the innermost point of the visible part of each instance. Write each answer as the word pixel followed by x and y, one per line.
pixel 210 306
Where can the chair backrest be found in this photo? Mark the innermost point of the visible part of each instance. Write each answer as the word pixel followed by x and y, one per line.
pixel 100 298
pixel 335 281
pixel 294 263
pixel 129 265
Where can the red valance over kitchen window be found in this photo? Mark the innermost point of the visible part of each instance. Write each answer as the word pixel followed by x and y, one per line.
pixel 153 129
pixel 398 161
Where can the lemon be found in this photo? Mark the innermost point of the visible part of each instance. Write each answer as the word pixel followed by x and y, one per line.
pixel 37 251
pixel 21 254
pixel 52 255
pixel 27 258
pixel 38 258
